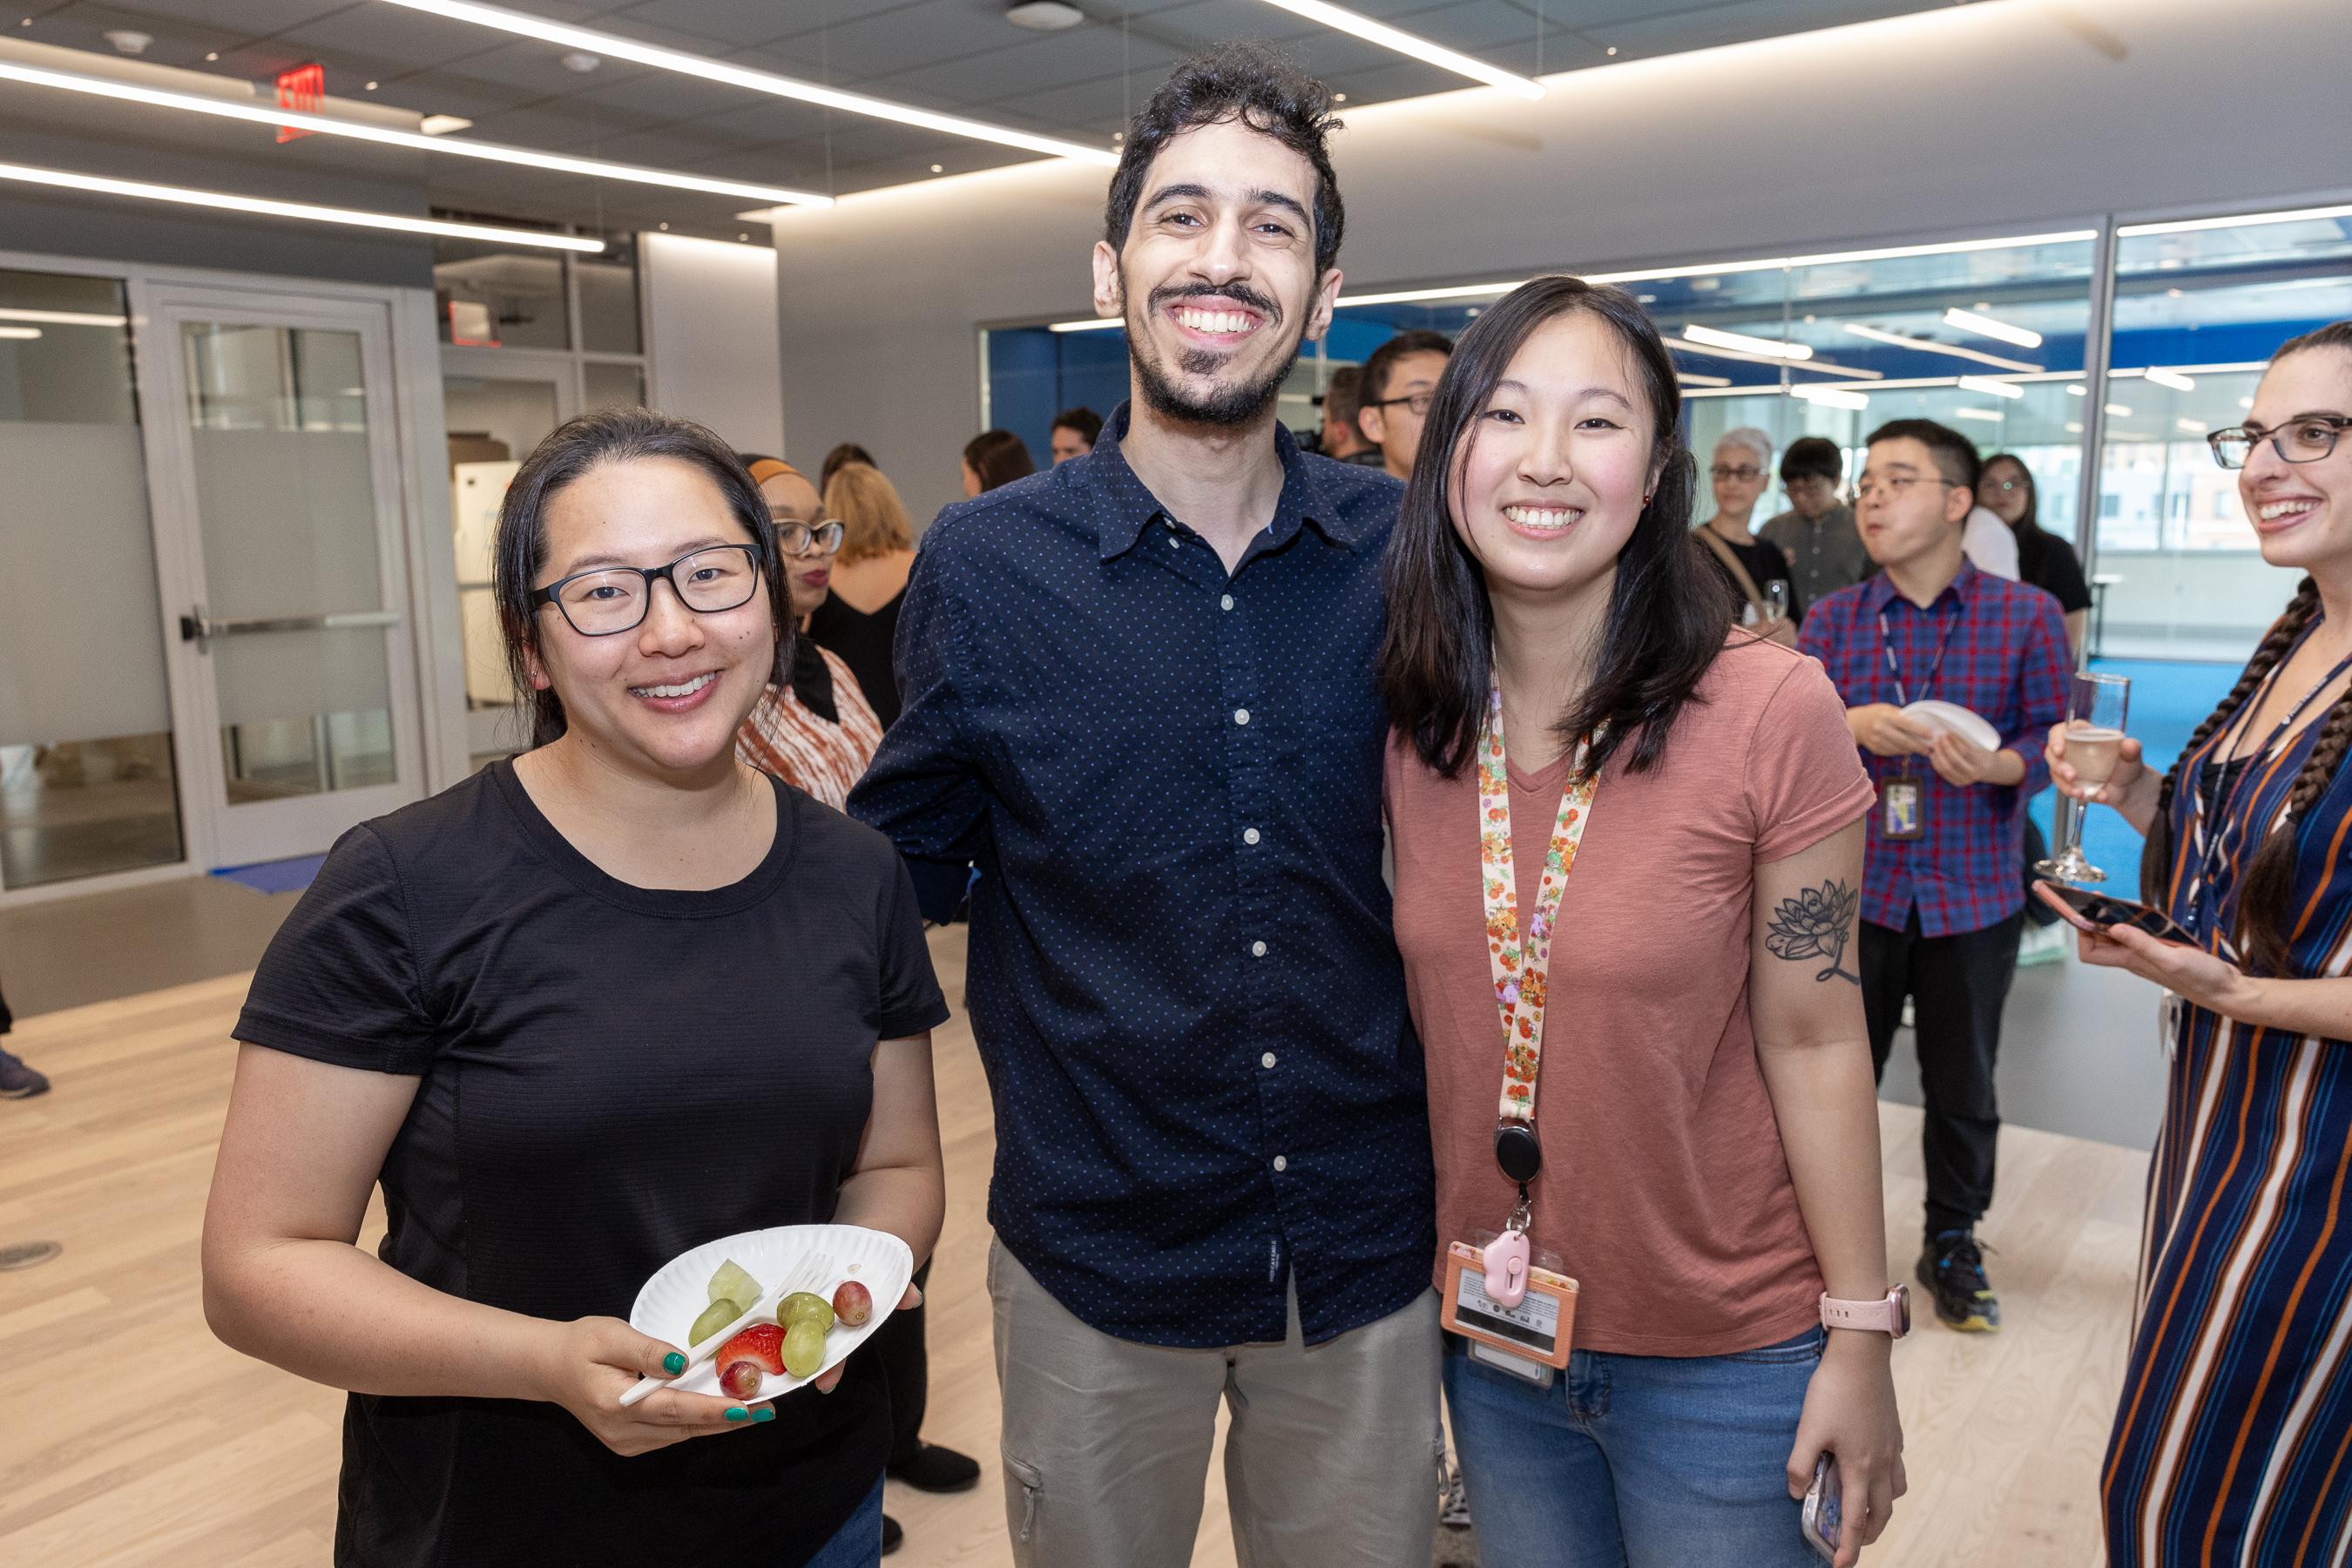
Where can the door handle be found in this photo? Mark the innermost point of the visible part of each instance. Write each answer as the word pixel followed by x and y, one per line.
pixel 196 628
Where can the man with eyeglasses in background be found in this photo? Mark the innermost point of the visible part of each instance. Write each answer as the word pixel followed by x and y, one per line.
pixel 1399 381
pixel 1817 533
pixel 1942 905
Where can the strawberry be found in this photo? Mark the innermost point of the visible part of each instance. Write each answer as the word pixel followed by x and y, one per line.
pixel 761 1342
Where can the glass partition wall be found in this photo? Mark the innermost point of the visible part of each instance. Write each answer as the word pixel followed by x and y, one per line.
pixel 2019 341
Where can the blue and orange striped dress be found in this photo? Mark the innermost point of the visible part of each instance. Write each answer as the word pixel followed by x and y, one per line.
pixel 2233 1441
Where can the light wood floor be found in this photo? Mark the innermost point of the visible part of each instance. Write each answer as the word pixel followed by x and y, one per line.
pixel 209 1458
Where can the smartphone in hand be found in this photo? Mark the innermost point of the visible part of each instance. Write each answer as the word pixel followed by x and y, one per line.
pixel 1824 1509
pixel 2091 911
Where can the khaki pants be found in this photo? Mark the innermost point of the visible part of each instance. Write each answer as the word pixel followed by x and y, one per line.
pixel 1331 1458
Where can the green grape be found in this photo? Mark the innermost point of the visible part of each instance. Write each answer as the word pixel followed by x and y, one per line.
pixel 802 1306
pixel 804 1346
pixel 715 1316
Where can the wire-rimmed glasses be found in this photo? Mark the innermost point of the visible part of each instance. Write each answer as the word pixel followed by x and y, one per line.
pixel 2304 440
pixel 614 599
pixel 795 537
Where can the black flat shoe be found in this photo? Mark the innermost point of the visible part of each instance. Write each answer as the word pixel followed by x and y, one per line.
pixel 892 1536
pixel 938 1469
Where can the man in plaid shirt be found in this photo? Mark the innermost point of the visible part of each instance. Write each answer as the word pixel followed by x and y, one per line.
pixel 1941 901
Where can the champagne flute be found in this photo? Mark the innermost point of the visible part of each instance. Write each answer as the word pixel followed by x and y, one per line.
pixel 1776 600
pixel 2096 709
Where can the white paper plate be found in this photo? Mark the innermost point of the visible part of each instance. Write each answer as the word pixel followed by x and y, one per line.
pixel 1961 722
pixel 674 1297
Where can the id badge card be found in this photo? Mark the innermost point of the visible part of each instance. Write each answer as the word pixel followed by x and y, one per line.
pixel 1898 807
pixel 1530 1339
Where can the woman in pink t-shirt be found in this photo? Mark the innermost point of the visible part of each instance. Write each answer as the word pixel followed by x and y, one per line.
pixel 1701 1107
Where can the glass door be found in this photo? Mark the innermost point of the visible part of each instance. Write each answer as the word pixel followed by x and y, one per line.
pixel 278 482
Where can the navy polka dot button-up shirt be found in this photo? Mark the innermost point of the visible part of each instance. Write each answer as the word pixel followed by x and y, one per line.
pixel 1182 977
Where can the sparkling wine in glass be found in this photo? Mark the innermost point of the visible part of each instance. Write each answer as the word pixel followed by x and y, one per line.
pixel 2096 709
pixel 1776 600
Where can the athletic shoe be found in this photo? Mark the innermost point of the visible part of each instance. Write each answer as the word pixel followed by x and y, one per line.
pixel 2044 944
pixel 1952 1269
pixel 893 1537
pixel 18 1082
pixel 938 1469
pixel 1455 1510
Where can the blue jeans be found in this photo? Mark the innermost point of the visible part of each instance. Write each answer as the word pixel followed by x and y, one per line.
pixel 858 1543
pixel 1635 1461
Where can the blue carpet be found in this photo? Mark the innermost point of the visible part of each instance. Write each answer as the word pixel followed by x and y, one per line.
pixel 275 875
pixel 2168 702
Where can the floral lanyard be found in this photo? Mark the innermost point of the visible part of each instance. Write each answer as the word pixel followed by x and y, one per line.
pixel 1521 966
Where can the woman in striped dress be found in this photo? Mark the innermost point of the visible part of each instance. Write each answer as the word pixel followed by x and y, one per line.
pixel 2233 1441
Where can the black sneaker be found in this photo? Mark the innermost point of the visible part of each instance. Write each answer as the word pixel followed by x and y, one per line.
pixel 893 1537
pixel 937 1469
pixel 18 1082
pixel 1952 1269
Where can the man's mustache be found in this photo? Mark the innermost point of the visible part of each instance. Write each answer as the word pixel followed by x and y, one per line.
pixel 1240 293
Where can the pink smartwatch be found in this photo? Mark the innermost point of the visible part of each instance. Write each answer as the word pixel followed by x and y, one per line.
pixel 1890 1315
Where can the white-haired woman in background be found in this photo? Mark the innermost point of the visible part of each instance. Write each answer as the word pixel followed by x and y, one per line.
pixel 1742 472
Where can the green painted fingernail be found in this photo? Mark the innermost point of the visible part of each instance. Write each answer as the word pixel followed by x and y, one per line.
pixel 738 1415
pixel 673 1363
pixel 764 1414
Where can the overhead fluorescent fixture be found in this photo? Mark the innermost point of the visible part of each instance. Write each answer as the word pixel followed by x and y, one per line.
pixel 614 46
pixel 2076 391
pixel 1687 379
pixel 1044 16
pixel 269 115
pixel 2073 428
pixel 2171 378
pixel 1928 345
pixel 1341 20
pixel 20 331
pixel 1985 326
pixel 442 124
pixel 1830 396
pixel 1986 383
pixel 64 318
pixel 222 202
pixel 1993 414
pixel 1095 324
pixel 2243 220
pixel 2189 427
pixel 1418 296
pixel 2120 411
pixel 1770 347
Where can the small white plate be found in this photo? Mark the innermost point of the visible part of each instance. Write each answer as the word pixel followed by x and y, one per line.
pixel 1950 716
pixel 670 1301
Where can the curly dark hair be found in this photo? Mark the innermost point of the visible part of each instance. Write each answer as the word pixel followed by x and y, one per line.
pixel 1260 87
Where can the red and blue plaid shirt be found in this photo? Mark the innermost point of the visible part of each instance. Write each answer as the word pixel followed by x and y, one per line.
pixel 2006 660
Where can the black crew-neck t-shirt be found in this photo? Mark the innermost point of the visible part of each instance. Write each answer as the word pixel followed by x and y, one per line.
pixel 609 1075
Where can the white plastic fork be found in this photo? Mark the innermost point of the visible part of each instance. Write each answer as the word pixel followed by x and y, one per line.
pixel 812 1270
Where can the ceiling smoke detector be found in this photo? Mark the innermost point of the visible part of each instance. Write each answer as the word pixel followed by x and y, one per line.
pixel 1044 16
pixel 126 42
pixel 583 63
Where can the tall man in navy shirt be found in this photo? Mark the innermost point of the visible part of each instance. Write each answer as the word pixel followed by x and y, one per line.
pixel 1138 693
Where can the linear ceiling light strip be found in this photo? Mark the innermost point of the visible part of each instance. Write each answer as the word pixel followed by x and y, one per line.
pixel 2243 220
pixel 1927 345
pixel 1345 21
pixel 225 203
pixel 63 318
pixel 264 114
pixel 612 46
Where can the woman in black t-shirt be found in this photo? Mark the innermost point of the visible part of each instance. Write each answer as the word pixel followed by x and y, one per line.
pixel 2044 559
pixel 583 1012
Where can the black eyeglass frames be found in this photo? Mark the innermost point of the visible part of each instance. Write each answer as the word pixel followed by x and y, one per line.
pixel 614 599
pixel 2304 440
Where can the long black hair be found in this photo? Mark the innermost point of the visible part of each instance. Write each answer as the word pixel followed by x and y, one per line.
pixel 1666 613
pixel 572 451
pixel 2268 886
pixel 2031 521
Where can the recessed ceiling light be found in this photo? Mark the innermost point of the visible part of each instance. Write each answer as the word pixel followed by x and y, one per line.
pixel 612 46
pixel 1613 51
pixel 127 42
pixel 224 202
pixel 431 134
pixel 1338 98
pixel 665 228
pixel 1404 43
pixel 937 169
pixel 1044 16
pixel 371 87
pixel 743 236
pixel 579 62
pixel 213 56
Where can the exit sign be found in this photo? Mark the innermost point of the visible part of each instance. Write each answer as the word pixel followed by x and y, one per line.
pixel 304 88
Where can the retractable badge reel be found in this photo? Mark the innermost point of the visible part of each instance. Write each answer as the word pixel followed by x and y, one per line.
pixel 1519 1156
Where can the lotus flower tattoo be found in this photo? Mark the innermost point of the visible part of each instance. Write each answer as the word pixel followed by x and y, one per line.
pixel 1817 924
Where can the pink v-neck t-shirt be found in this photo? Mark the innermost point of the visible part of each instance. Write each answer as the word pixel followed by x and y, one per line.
pixel 1665 1189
